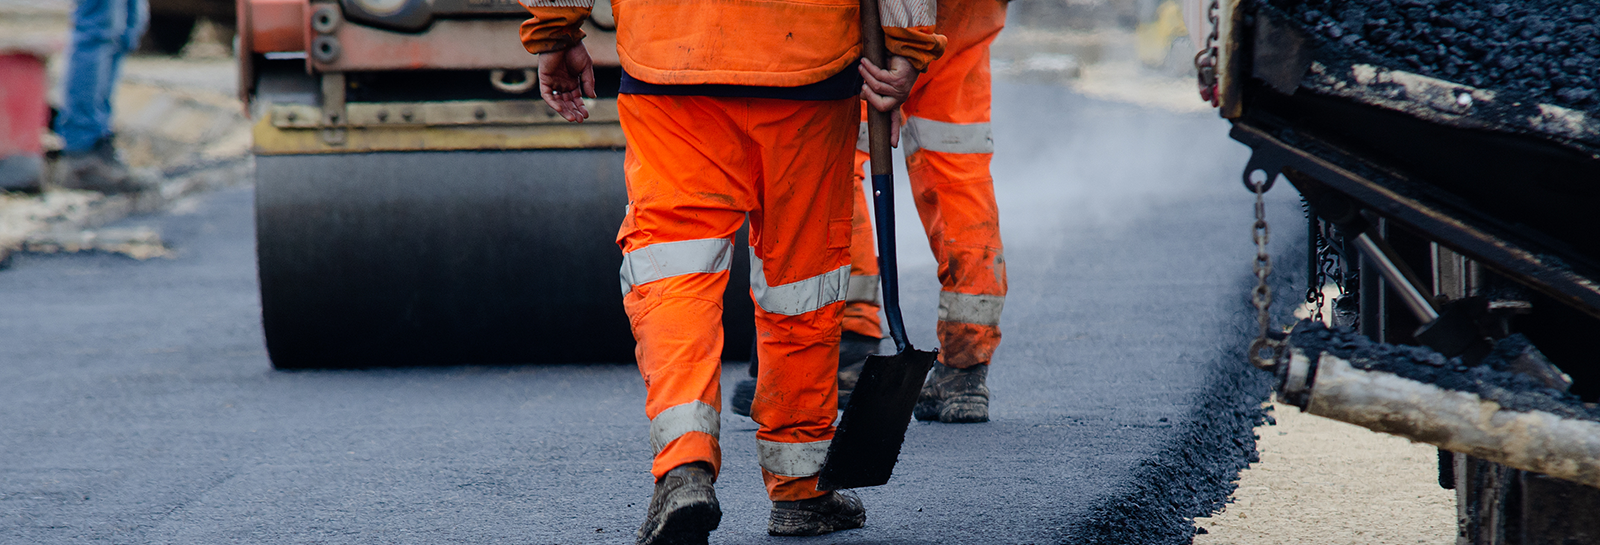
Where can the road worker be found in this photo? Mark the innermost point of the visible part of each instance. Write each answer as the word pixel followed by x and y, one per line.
pixel 948 146
pixel 735 109
pixel 103 32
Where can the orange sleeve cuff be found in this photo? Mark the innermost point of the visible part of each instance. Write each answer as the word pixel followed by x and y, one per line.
pixel 553 28
pixel 917 44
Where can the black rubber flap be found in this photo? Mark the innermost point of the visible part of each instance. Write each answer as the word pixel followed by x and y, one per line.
pixel 866 444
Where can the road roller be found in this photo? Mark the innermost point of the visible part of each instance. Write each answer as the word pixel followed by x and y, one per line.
pixel 1447 154
pixel 416 203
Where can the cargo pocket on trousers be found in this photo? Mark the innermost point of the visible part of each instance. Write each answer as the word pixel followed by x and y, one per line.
pixel 839 233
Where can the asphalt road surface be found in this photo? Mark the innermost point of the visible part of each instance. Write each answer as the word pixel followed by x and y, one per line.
pixel 137 403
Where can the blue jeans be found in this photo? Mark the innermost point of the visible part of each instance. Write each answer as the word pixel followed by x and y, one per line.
pixel 102 32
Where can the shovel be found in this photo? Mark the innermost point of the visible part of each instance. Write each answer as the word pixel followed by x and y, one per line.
pixel 867 442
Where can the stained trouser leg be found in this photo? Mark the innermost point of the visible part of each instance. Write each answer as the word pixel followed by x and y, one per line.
pixel 965 233
pixel 799 273
pixel 677 243
pixel 949 145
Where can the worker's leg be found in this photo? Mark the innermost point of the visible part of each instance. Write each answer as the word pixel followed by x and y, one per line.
pixel 103 31
pixel 948 147
pixel 861 330
pixel 685 156
pixel 99 31
pixel 799 273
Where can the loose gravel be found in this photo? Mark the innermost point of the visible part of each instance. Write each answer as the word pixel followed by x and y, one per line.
pixel 1540 51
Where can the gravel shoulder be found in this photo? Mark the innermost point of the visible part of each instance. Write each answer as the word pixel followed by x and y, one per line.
pixel 1325 482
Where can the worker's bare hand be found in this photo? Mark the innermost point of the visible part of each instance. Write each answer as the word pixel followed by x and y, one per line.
pixel 565 77
pixel 887 89
pixel 896 121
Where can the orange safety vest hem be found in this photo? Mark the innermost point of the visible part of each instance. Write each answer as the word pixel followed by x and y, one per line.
pixel 554 28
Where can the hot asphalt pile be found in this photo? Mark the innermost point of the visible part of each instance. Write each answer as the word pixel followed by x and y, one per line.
pixel 1533 51
pixel 1491 379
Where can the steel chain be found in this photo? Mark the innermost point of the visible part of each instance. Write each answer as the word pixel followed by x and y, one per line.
pixel 1330 265
pixel 1205 61
pixel 1261 296
pixel 1319 276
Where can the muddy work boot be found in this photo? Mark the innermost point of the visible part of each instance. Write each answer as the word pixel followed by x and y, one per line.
pixel 853 351
pixel 683 510
pixel 954 396
pixel 823 514
pixel 98 169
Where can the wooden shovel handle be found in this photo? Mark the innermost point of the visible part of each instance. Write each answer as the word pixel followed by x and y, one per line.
pixel 873 48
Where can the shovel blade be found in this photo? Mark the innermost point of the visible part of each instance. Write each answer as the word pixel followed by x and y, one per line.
pixel 866 444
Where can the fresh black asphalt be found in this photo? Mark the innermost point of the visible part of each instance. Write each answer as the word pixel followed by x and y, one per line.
pixel 137 403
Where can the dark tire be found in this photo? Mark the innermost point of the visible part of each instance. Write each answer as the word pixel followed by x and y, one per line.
pixel 168 33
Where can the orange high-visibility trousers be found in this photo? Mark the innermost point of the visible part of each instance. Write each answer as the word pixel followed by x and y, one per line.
pixel 695 168
pixel 948 147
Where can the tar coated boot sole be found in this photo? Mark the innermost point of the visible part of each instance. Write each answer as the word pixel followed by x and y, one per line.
pixel 683 509
pixel 798 522
pixel 690 522
pixel 955 410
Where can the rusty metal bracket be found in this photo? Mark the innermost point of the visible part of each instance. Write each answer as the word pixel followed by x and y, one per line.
pixel 334 117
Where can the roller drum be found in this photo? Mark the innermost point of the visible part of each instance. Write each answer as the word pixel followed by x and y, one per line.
pixel 449 257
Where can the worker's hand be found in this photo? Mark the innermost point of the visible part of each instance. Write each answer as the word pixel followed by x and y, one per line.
pixel 896 121
pixel 885 90
pixel 565 77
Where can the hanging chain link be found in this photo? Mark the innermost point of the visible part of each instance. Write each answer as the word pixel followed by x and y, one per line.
pixel 1261 296
pixel 1319 273
pixel 1333 266
pixel 1205 61
pixel 1328 264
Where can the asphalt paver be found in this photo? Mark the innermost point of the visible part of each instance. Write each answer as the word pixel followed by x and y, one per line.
pixel 137 403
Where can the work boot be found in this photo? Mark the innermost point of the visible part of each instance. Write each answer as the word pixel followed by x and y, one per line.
pixel 823 514
pixel 97 169
pixel 744 395
pixel 955 396
pixel 853 351
pixel 683 510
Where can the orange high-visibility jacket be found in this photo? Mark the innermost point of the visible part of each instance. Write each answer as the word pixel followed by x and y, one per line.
pixel 768 43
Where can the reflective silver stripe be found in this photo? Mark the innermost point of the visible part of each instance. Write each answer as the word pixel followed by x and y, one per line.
pixel 970 309
pixel 907 13
pixel 677 420
pixel 944 137
pixel 669 259
pixel 863 143
pixel 792 459
pixel 559 3
pixel 863 289
pixel 800 297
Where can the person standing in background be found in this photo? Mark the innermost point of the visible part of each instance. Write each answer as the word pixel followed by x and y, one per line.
pixel 948 148
pixel 103 31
